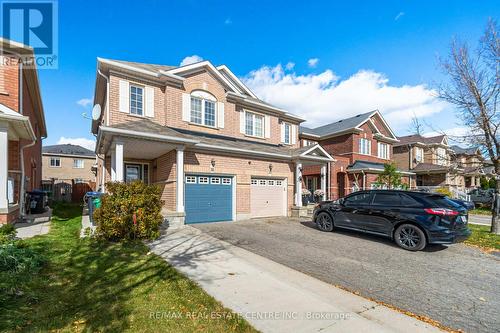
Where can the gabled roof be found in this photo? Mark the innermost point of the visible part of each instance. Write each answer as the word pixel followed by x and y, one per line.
pixel 345 125
pixel 465 151
pixel 417 138
pixel 67 149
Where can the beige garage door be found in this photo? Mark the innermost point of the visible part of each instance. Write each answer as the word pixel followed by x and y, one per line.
pixel 267 197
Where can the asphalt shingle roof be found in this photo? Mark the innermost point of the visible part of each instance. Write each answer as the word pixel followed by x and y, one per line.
pixel 338 126
pixel 68 149
pixel 430 167
pixel 414 138
pixel 364 165
pixel 149 126
pixel 465 151
pixel 149 67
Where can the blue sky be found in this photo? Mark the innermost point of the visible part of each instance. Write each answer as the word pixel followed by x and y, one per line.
pixel 381 52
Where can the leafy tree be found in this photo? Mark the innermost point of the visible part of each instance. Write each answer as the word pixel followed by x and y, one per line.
pixel 390 177
pixel 485 184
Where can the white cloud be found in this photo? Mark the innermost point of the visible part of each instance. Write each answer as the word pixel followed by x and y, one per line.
pixel 228 21
pixel 455 133
pixel 400 15
pixel 313 62
pixel 84 102
pixel 290 65
pixel 191 60
pixel 323 98
pixel 86 143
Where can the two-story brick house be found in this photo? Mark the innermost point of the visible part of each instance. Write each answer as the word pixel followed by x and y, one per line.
pixel 22 128
pixel 361 145
pixel 471 161
pixel 431 159
pixel 218 152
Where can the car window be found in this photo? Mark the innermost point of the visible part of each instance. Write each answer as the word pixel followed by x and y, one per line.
pixel 444 202
pixel 358 199
pixel 387 199
pixel 408 201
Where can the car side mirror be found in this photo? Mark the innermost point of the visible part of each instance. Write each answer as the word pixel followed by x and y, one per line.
pixel 341 201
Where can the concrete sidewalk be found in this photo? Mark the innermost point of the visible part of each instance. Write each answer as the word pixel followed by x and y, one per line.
pixel 38 224
pixel 273 297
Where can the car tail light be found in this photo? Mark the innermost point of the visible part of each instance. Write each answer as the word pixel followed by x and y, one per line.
pixel 441 211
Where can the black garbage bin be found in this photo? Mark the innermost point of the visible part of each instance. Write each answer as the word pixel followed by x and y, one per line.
pixel 37 201
pixel 93 200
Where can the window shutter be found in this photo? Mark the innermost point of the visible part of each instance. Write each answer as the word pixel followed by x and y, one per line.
pixel 186 107
pixel 294 134
pixel 124 92
pixel 242 121
pixel 150 102
pixel 282 127
pixel 267 126
pixel 220 114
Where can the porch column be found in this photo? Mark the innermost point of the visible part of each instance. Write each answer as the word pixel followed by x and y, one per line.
pixel 4 166
pixel 119 161
pixel 113 165
pixel 298 184
pixel 323 180
pixel 180 180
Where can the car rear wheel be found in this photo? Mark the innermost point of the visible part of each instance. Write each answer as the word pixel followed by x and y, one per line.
pixel 410 237
pixel 324 222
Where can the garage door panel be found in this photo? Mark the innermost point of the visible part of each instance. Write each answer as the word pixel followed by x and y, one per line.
pixel 267 197
pixel 208 202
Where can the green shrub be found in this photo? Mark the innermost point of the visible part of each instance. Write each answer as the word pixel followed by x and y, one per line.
pixel 7 233
pixel 115 218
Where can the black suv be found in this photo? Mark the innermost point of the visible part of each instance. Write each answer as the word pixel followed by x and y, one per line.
pixel 412 219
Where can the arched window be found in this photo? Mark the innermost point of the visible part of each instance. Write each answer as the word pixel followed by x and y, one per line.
pixel 203 108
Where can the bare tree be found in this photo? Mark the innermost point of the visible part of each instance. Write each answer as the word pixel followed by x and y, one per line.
pixel 416 126
pixel 473 88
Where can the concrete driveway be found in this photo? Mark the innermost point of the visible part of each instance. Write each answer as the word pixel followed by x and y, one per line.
pixel 456 285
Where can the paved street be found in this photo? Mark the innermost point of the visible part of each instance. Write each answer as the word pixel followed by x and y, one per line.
pixel 456 285
pixel 480 219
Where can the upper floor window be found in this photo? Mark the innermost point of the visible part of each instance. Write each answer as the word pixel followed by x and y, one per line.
pixel 365 146
pixel 203 108
pixel 288 134
pixel 78 164
pixel 419 155
pixel 55 162
pixel 136 100
pixel 441 157
pixel 383 150
pixel 254 124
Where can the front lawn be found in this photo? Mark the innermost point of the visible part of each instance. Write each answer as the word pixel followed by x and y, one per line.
pixel 87 285
pixel 480 211
pixel 482 237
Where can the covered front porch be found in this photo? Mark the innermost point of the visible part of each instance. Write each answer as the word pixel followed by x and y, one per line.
pixel 364 175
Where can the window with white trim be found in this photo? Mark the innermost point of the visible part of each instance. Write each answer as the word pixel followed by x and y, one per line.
pixel 202 180
pixel 203 108
pixel 365 146
pixel 254 124
pixel 288 133
pixel 78 164
pixel 441 157
pixel 190 180
pixel 262 182
pixel 226 181
pixel 419 155
pixel 215 180
pixel 55 162
pixel 383 150
pixel 270 182
pixel 279 182
pixel 136 100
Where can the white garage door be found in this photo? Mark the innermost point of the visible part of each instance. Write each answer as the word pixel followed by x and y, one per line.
pixel 267 197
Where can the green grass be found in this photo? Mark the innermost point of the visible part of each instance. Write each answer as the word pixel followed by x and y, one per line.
pixel 482 237
pixel 480 211
pixel 96 286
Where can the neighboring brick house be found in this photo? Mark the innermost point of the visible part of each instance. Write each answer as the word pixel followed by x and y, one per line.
pixel 472 162
pixel 430 158
pixel 218 152
pixel 65 165
pixel 361 145
pixel 22 128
